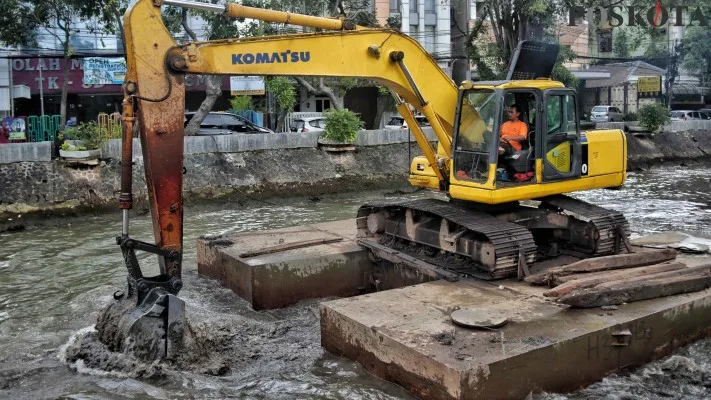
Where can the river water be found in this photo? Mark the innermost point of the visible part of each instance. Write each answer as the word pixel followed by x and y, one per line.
pixel 54 278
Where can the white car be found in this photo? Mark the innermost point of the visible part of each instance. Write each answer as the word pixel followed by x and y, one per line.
pixel 606 114
pixel 686 115
pixel 308 124
pixel 400 123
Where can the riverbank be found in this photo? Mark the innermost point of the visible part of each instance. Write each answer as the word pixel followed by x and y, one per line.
pixel 242 167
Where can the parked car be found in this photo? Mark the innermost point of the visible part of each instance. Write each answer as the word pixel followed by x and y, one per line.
pixel 606 114
pixel 400 123
pixel 687 115
pixel 221 123
pixel 308 124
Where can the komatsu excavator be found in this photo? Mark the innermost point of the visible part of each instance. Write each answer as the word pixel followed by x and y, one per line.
pixel 504 210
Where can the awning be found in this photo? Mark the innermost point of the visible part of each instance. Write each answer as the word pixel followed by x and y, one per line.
pixel 686 89
pixel 590 75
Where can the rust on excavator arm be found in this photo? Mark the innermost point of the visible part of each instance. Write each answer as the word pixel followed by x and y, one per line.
pixel 160 105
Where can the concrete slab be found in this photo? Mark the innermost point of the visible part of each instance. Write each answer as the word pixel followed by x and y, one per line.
pixel 407 337
pixel 283 278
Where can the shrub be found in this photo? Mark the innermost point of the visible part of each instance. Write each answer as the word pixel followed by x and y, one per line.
pixel 342 125
pixel 630 116
pixel 653 116
pixel 88 134
pixel 241 103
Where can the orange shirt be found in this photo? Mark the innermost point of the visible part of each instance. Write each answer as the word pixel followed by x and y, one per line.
pixel 518 128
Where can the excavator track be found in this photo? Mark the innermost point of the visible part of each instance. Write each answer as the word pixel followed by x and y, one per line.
pixel 498 248
pixel 610 229
pixel 471 242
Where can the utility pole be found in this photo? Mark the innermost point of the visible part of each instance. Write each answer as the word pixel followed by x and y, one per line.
pixel 672 71
pixel 460 63
pixel 41 89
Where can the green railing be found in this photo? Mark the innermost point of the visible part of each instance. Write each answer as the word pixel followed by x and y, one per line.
pixel 43 128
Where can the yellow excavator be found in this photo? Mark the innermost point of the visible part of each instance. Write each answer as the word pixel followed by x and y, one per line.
pixel 505 206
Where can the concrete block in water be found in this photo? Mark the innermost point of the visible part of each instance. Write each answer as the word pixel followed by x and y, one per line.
pixel 283 278
pixel 406 336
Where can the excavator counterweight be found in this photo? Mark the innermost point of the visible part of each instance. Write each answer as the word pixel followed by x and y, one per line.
pixel 483 226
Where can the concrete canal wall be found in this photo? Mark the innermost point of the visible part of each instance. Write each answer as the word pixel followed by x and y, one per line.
pixel 236 166
pixel 261 165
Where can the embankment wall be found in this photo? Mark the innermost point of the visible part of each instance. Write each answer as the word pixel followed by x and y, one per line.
pixel 256 165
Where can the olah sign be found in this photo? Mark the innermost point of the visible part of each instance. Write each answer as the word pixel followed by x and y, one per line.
pixel 654 16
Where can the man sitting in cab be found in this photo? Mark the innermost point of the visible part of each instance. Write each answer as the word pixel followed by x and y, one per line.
pixel 514 132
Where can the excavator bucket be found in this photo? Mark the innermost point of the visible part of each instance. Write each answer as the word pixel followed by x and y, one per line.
pixel 148 322
pixel 151 330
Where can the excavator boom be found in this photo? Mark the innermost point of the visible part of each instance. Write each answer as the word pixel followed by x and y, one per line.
pixel 148 320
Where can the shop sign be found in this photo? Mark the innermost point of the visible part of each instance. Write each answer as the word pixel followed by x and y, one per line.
pixel 104 71
pixel 247 85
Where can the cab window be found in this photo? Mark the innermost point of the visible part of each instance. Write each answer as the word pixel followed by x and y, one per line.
pixel 475 135
pixel 561 114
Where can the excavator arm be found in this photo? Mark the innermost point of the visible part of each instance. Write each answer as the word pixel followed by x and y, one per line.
pixel 149 320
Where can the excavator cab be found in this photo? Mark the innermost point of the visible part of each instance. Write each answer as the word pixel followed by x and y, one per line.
pixel 478 151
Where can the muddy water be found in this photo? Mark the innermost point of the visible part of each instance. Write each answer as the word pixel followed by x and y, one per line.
pixel 54 279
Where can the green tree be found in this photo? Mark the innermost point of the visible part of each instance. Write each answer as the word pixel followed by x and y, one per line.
pixel 620 43
pixel 697 53
pixel 241 103
pixel 283 91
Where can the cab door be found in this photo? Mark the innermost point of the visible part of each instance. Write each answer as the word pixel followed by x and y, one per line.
pixel 561 150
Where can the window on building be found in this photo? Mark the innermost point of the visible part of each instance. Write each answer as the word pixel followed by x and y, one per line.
pixel 429 6
pixel 414 32
pixel 395 6
pixel 322 105
pixel 413 6
pixel 429 39
pixel 604 42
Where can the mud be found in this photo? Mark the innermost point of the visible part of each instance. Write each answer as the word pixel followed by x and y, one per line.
pixel 237 345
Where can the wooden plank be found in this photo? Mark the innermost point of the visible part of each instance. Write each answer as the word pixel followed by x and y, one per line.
pixel 397 257
pixel 586 281
pixel 290 246
pixel 661 275
pixel 605 263
pixel 675 282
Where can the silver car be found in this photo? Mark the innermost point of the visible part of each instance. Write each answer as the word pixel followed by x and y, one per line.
pixel 687 115
pixel 606 114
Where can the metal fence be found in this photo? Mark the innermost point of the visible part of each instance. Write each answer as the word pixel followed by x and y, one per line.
pixel 110 125
pixel 43 128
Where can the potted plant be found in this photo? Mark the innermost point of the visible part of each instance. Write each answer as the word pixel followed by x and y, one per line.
pixel 342 127
pixel 82 142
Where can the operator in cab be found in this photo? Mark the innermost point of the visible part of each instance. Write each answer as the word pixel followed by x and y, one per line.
pixel 513 132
